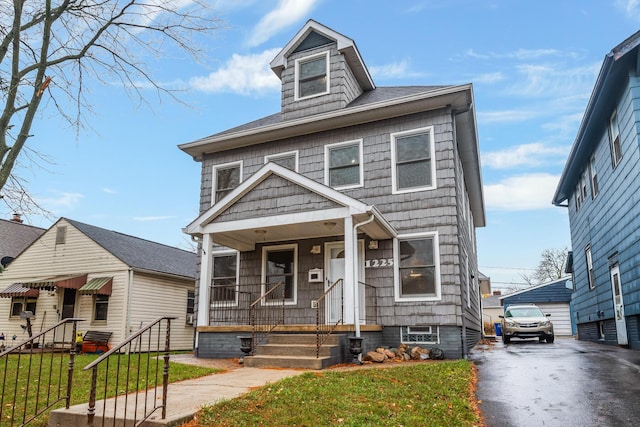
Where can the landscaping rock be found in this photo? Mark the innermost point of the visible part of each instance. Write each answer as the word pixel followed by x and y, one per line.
pixel 374 356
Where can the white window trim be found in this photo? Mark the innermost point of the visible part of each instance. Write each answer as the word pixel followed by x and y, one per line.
pixel 327 149
pixel 589 262
pixel 396 267
pixel 612 138
pixel 95 310
pixel 214 184
pixel 394 179
pixel 270 157
pixel 297 96
pixel 263 276
pixel 211 272
pixel 437 333
pixel 593 177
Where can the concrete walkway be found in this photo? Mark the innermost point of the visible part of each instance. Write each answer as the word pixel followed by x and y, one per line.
pixel 184 398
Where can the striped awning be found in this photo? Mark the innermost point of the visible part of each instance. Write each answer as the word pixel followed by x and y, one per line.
pixel 97 286
pixel 17 290
pixel 68 281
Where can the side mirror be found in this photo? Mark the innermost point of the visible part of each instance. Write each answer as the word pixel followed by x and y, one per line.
pixel 501 316
pixel 548 314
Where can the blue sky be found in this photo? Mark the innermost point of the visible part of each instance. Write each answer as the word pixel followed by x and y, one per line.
pixel 533 65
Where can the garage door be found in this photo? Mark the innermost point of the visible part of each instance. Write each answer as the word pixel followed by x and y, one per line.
pixel 560 316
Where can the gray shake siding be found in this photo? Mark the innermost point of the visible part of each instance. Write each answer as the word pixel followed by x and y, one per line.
pixel 444 211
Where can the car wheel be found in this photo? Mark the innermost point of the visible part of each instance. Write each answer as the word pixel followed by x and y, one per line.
pixel 550 339
pixel 506 340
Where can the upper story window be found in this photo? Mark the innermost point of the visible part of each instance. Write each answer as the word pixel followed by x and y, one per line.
pixel 312 76
pixel 593 174
pixel 412 157
pixel 224 277
pixel 287 160
pixel 280 267
pixel 343 164
pixel 589 259
pixel 614 139
pixel 225 178
pixel 61 235
pixel 417 267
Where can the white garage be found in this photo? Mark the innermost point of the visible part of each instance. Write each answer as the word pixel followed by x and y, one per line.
pixel 553 298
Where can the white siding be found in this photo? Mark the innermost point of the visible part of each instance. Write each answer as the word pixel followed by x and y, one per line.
pixel 560 317
pixel 153 296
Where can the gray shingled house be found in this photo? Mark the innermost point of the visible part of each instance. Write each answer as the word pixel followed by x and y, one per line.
pixel 114 281
pixel 351 212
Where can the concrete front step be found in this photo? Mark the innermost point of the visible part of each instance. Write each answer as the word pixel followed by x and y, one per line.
pixel 301 339
pixel 294 350
pixel 289 362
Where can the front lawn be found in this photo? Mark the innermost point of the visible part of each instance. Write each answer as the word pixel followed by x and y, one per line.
pixel 415 394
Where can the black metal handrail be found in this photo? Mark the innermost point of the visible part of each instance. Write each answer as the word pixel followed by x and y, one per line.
pixel 370 303
pixel 41 380
pixel 129 355
pixel 230 304
pixel 324 305
pixel 267 313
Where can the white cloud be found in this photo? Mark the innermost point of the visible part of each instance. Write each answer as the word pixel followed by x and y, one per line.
pixel 488 78
pixel 553 81
pixel 63 202
pixel 506 116
pixel 286 13
pixel 520 54
pixel 245 75
pixel 394 70
pixel 109 191
pixel 630 7
pixel 152 218
pixel 530 155
pixel 523 192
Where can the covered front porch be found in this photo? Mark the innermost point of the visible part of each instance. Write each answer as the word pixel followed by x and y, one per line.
pixel 284 254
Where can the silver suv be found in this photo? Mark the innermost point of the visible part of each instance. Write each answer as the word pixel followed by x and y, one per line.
pixel 526 321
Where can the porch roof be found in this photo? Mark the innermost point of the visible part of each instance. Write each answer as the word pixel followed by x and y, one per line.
pixel 68 281
pixel 300 222
pixel 17 290
pixel 97 286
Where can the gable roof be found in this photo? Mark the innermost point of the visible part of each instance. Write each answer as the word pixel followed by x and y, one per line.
pixel 16 237
pixel 554 291
pixel 140 254
pixel 613 75
pixel 241 234
pixel 317 32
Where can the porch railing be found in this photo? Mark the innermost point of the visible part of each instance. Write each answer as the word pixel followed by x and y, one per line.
pixel 370 303
pixel 329 313
pixel 231 304
pixel 130 372
pixel 37 373
pixel 267 312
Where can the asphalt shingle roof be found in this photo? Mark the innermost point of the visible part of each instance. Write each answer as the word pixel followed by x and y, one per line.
pixel 140 253
pixel 16 237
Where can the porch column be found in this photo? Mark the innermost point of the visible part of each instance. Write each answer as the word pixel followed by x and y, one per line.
pixel 203 285
pixel 349 266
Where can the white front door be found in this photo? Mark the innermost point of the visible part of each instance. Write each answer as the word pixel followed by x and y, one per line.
pixel 335 271
pixel 618 306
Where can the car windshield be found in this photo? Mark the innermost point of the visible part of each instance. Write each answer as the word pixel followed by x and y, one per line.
pixel 524 312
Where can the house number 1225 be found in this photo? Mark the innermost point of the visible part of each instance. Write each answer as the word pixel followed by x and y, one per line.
pixel 382 262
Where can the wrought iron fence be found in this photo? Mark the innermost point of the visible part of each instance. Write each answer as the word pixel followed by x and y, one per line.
pixel 231 304
pixel 131 372
pixel 329 312
pixel 37 373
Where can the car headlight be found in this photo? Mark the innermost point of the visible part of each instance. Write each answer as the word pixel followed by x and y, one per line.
pixel 545 323
pixel 510 323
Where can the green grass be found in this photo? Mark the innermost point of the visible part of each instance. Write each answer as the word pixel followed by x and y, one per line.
pixel 28 392
pixel 425 394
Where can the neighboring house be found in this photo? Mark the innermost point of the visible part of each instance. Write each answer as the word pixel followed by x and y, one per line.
pixel 114 281
pixel 348 184
pixel 600 184
pixel 553 298
pixel 491 312
pixel 14 238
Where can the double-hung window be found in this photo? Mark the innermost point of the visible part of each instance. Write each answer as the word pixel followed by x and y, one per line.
pixel 417 267
pixel 614 139
pixel 224 278
pixel 343 164
pixel 226 178
pixel 287 160
pixel 413 160
pixel 589 259
pixel 279 273
pixel 312 76
pixel 593 174
pixel 100 307
pixel 20 304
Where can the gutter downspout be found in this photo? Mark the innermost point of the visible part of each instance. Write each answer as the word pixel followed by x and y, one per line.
pixel 356 296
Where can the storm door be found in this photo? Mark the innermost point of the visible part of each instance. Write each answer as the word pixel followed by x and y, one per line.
pixel 618 305
pixel 335 271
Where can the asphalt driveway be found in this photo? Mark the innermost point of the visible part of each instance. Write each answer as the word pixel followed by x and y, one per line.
pixel 567 383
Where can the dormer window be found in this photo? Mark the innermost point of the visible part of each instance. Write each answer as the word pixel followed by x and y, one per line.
pixel 312 76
